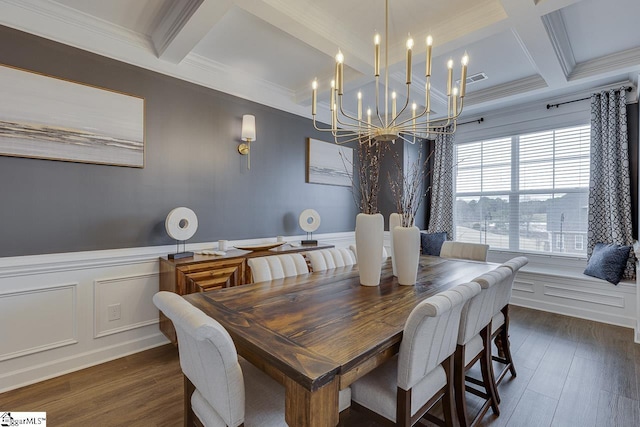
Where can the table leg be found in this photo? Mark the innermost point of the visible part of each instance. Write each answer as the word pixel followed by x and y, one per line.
pixel 305 408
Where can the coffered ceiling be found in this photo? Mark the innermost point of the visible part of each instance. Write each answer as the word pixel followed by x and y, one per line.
pixel 269 51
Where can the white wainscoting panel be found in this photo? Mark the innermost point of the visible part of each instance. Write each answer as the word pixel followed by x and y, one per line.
pixel 522 286
pixel 577 295
pixel 37 320
pixel 48 302
pixel 133 293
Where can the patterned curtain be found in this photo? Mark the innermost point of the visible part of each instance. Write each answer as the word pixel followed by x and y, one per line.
pixel 441 218
pixel 609 185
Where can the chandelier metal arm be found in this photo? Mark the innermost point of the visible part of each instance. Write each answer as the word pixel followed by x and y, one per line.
pixel 406 104
pixel 359 122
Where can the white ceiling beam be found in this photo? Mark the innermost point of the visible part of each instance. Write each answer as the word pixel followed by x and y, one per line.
pixel 557 31
pixel 528 29
pixel 611 64
pixel 184 24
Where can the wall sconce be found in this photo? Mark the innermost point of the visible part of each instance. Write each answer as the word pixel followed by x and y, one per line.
pixel 248 134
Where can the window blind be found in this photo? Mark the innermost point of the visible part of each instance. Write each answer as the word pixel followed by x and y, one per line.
pixel 526 193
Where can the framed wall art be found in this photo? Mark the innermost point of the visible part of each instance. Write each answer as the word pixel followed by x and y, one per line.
pixel 50 118
pixel 329 163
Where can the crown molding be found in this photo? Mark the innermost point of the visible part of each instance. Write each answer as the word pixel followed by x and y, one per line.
pixel 533 107
pixel 214 67
pixel 172 22
pixel 504 90
pixel 607 64
pixel 557 31
pixel 53 14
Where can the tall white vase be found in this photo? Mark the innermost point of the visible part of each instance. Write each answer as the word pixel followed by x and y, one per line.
pixel 369 241
pixel 395 220
pixel 406 242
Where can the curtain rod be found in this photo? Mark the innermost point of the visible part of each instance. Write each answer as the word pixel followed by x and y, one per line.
pixel 480 120
pixel 550 106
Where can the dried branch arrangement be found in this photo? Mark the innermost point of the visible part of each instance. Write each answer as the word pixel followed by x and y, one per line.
pixel 365 191
pixel 407 188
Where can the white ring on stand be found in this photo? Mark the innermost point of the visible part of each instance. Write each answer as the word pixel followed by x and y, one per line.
pixel 181 223
pixel 309 220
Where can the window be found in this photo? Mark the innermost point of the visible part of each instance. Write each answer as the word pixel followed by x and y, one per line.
pixel 526 193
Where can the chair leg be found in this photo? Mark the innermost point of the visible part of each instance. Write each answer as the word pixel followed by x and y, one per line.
pixel 448 400
pixel 403 408
pixel 459 386
pixel 486 367
pixel 504 337
pixel 189 416
pixel 498 342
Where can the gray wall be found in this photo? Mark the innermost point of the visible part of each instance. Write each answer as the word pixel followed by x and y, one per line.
pixel 407 153
pixel 191 160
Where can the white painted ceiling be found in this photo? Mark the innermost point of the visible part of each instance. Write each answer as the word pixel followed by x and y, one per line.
pixel 269 51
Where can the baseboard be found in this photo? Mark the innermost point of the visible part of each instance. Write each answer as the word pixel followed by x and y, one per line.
pixel 54 368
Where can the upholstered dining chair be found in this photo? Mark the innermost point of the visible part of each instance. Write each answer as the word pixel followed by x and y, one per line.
pixel 331 258
pixel 277 267
pixel 474 344
pixel 500 320
pixel 222 389
pixel 401 391
pixel 385 254
pixel 501 279
pixel 463 250
pixel 225 391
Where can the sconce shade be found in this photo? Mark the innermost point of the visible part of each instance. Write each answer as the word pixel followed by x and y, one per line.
pixel 248 127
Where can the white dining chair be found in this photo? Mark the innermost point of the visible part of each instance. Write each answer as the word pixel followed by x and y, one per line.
pixel 277 267
pixel 385 254
pixel 226 389
pixel 405 388
pixel 222 395
pixel 464 250
pixel 500 320
pixel 474 344
pixel 326 259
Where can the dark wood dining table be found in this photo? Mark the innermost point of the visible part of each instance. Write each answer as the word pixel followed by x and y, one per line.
pixel 319 332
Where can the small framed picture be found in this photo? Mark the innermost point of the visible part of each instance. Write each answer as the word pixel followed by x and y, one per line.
pixel 329 163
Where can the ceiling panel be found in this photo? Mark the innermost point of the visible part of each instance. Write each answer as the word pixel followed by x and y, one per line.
pixel 597 28
pixel 500 57
pixel 265 51
pixel 365 17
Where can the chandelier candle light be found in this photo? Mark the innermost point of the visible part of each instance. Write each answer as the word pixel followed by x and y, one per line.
pixel 387 127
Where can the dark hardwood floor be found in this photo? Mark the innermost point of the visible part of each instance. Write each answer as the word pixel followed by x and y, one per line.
pixel 571 372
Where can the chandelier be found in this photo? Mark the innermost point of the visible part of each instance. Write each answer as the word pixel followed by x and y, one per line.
pixel 383 125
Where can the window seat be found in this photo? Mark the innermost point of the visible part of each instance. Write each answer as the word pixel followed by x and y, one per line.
pixel 566 290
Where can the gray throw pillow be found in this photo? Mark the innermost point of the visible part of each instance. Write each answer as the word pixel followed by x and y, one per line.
pixel 431 243
pixel 608 262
